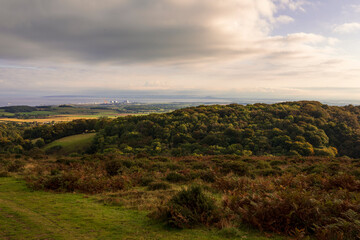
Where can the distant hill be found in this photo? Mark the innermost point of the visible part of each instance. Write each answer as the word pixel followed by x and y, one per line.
pixel 292 128
pixel 17 109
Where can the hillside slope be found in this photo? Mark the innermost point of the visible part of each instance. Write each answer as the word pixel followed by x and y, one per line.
pixel 293 128
pixel 70 144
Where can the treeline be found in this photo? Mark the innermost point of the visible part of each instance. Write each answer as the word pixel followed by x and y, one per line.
pixel 52 132
pixel 292 128
pixel 18 109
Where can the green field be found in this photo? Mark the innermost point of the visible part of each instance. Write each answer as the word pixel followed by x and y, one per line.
pixel 26 214
pixel 73 143
pixel 64 113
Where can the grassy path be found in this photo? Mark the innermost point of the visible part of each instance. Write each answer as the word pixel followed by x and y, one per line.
pixel 25 214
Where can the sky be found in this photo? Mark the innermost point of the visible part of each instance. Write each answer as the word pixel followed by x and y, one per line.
pixel 284 49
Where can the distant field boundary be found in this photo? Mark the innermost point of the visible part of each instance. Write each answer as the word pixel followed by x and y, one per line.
pixel 63 118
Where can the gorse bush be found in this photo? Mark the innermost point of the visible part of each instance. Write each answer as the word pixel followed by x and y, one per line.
pixel 189 208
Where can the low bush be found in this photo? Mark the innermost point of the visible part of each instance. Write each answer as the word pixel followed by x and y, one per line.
pixel 208 176
pixel 3 172
pixel 76 177
pixel 342 181
pixel 328 215
pixel 16 165
pixel 281 212
pixel 277 163
pixel 175 177
pixel 267 172
pixel 146 180
pixel 346 227
pixel 115 166
pixel 239 168
pixel 158 186
pixel 188 208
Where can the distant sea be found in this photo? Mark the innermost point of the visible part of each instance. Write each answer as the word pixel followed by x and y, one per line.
pixel 57 100
pixel 74 99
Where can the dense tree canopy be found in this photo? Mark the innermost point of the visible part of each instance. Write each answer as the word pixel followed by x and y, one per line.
pixel 291 128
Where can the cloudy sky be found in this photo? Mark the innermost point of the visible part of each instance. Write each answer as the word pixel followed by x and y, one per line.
pixel 291 49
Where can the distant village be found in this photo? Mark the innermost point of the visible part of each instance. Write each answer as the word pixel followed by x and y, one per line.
pixel 115 102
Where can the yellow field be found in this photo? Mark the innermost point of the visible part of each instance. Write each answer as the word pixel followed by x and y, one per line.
pixel 60 118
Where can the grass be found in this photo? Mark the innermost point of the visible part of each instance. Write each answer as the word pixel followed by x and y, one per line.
pixel 26 214
pixel 73 143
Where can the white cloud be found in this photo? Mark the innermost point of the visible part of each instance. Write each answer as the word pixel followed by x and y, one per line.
pixel 283 19
pixel 293 4
pixel 347 28
pixel 355 8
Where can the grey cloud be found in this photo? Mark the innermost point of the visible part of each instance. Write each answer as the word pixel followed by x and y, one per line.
pixel 112 31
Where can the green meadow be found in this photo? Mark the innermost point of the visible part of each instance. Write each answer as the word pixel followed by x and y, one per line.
pixel 72 143
pixel 27 214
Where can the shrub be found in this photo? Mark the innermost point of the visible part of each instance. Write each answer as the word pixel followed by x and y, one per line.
pixel 162 159
pixel 158 186
pixel 314 169
pixel 343 181
pixel 16 166
pixel 172 166
pixel 277 163
pixel 199 165
pixel 115 166
pixel 3 172
pixel 175 177
pixel 66 161
pixel 346 227
pixel 277 212
pixel 296 206
pixel 87 178
pixel 262 165
pixel 356 173
pixel 208 176
pixel 188 208
pixel 239 168
pixel 146 180
pixel 268 172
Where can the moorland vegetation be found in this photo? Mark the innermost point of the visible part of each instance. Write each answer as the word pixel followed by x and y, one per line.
pixel 289 168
